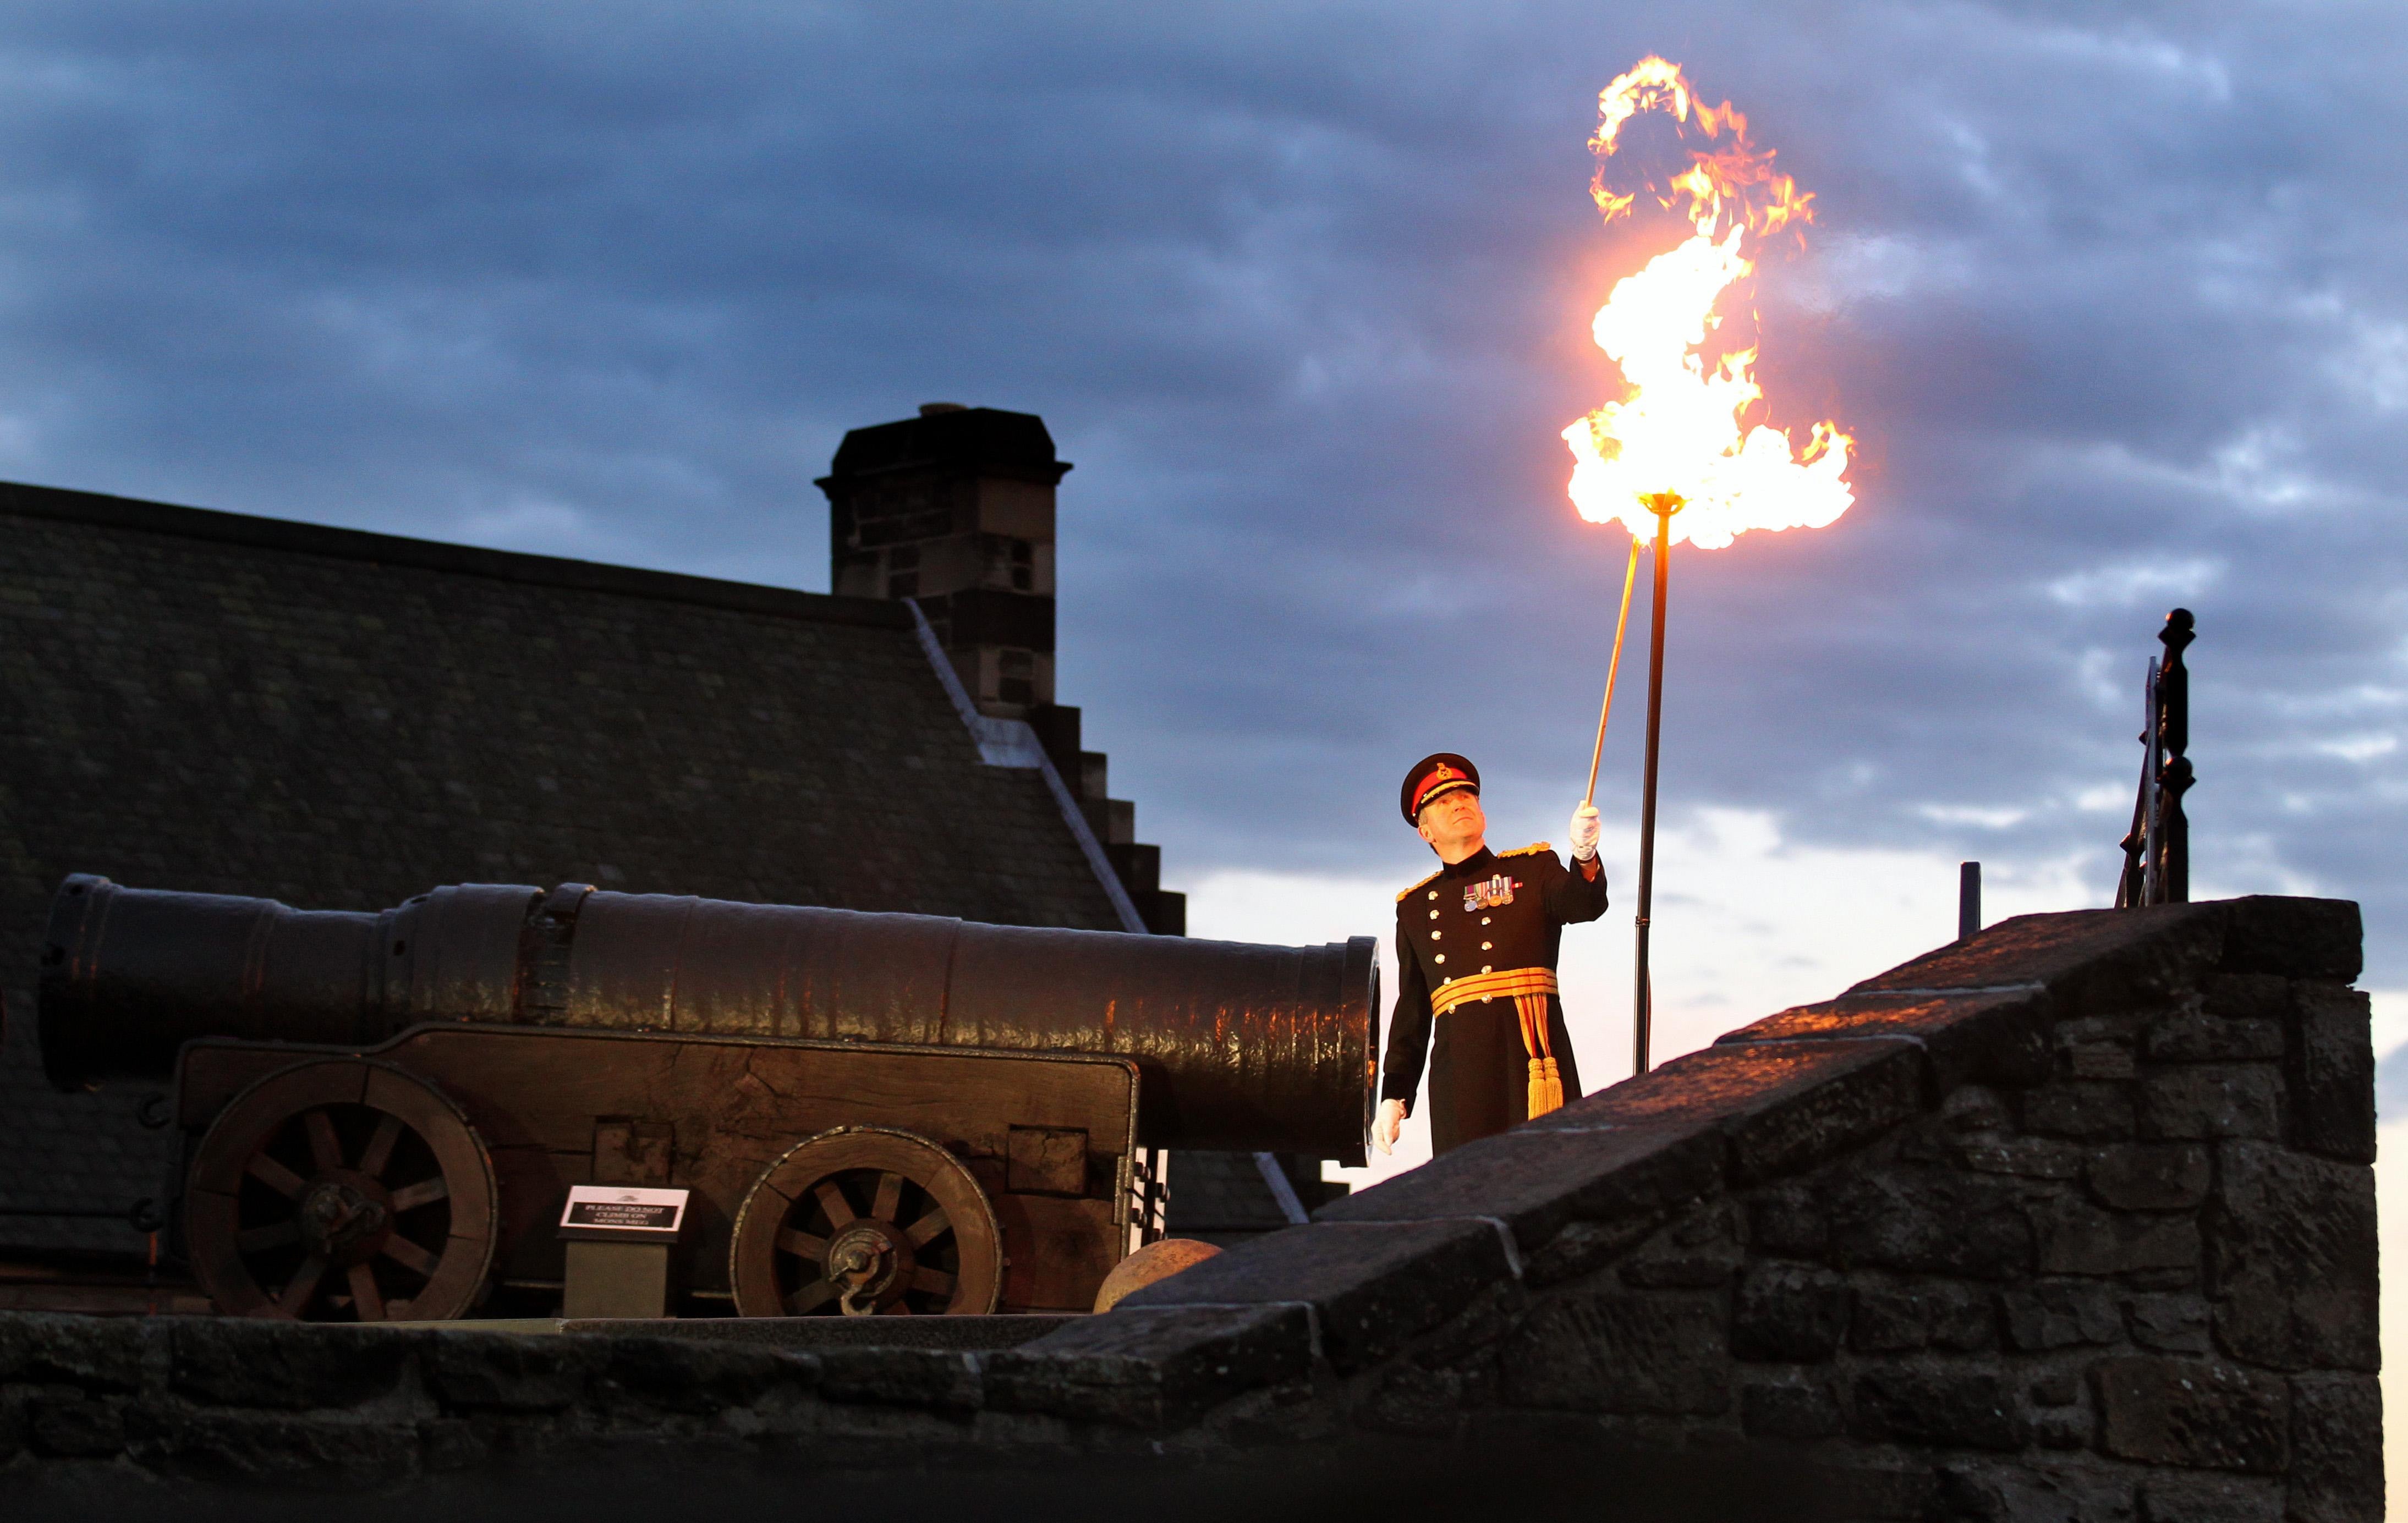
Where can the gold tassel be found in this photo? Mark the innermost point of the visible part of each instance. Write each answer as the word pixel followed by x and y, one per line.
pixel 1546 1087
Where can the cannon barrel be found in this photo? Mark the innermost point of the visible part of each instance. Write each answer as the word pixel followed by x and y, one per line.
pixel 1239 1046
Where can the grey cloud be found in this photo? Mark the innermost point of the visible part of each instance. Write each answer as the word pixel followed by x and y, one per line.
pixel 2104 292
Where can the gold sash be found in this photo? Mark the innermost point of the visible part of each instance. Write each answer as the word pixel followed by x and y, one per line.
pixel 1529 989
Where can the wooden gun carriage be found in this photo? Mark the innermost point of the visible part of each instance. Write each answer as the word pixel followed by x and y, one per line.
pixel 383 1113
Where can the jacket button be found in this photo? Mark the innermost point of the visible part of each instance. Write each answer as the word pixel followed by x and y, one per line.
pixel 1441 957
pixel 1487 945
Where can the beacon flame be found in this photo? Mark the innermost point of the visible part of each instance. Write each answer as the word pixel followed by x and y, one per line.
pixel 1679 430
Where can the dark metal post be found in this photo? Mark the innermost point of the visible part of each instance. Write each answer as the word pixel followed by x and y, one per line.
pixel 1642 998
pixel 1969 898
pixel 2172 845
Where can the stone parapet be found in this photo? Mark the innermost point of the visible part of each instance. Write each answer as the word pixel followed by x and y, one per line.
pixel 2073 1219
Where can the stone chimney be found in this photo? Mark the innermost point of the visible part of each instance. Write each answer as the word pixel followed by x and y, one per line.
pixel 954 509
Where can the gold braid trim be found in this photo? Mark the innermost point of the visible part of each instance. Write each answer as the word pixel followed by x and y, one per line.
pixel 1511 983
pixel 1409 892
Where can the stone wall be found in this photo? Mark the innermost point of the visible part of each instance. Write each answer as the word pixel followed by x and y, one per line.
pixel 2071 1222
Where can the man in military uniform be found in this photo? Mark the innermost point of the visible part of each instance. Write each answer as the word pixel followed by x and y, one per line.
pixel 1476 945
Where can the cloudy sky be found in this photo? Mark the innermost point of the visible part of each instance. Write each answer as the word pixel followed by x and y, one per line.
pixel 2113 297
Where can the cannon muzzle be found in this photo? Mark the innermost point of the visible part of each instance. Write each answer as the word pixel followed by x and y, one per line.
pixel 1240 1045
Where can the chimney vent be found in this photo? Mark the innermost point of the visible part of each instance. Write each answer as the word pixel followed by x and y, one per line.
pixel 930 409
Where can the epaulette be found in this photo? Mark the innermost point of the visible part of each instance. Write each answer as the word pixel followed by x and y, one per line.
pixel 1416 888
pixel 1533 846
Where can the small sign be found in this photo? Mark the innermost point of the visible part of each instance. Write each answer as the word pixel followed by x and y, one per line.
pixel 622 1214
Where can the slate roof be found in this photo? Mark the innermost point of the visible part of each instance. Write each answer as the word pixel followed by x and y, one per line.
pixel 234 705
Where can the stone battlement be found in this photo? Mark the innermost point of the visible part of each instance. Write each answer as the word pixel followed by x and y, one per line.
pixel 2073 1219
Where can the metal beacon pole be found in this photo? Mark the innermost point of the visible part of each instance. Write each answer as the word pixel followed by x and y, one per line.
pixel 1642 998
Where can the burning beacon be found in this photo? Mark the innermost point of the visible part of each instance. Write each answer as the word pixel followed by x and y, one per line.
pixel 1675 448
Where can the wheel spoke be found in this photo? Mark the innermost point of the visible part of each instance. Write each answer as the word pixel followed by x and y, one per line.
pixel 929 1228
pixel 889 1203
pixel 801 1244
pixel 274 1235
pixel 275 1176
pixel 933 1281
pixel 324 1150
pixel 365 1298
pixel 409 1255
pixel 839 1210
pixel 810 1298
pixel 425 1192
pixel 303 1285
pixel 379 1153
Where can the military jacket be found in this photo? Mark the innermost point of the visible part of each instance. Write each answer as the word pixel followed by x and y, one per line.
pixel 1480 921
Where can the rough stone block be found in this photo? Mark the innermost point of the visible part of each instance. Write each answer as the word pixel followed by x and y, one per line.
pixel 2016 1492
pixel 2099 1061
pixel 2086 1109
pixel 1797 1407
pixel 1697 1250
pixel 1787 1221
pixel 2060 1314
pixel 2247 996
pixel 1929 1221
pixel 2292 1260
pixel 1935 1314
pixel 2336 1449
pixel 2077 1238
pixel 252 1446
pixel 1584 1247
pixel 2194 1036
pixel 2030 1157
pixel 243 1362
pixel 1781 1106
pixel 510 1371
pixel 1374 1286
pixel 2193 1413
pixel 692 1374
pixel 1789 1313
pixel 1408 1398
pixel 1959 1406
pixel 1976 1107
pixel 2238 1100
pixel 2088 960
pixel 1633 1352
pixel 2170 1324
pixel 2056 1389
pixel 1152 1369
pixel 1991 1038
pixel 2297 938
pixel 1538 1182
pixel 70 1424
pixel 2145 1177
pixel 938 1379
pixel 2210 1498
pixel 2331 1071
pixel 92 1353
pixel 2061 1427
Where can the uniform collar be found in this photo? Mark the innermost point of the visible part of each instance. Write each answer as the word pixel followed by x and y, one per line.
pixel 1477 862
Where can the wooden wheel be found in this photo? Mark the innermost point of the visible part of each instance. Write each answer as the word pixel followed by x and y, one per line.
pixel 342 1190
pixel 861 1221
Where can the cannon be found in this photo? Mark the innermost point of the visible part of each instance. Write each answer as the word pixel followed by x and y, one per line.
pixel 382 1112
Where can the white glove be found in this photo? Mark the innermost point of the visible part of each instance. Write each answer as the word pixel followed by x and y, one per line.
pixel 1585 833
